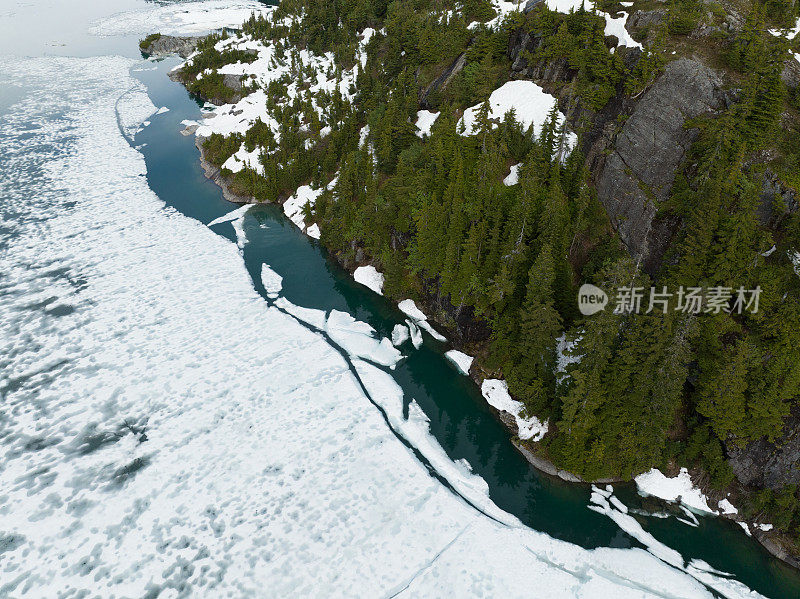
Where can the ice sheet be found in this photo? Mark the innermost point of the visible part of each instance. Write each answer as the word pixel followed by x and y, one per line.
pixel 168 432
pixel 180 18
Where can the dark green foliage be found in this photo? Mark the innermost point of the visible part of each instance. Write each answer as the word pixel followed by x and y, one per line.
pixel 218 148
pixel 145 43
pixel 684 15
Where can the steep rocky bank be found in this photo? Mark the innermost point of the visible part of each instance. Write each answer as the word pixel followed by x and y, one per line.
pixel 167 45
pixel 635 147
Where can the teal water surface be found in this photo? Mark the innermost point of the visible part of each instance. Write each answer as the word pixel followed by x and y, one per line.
pixel 459 418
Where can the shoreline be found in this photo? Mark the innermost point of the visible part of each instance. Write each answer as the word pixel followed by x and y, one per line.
pixel 540 463
pixel 771 542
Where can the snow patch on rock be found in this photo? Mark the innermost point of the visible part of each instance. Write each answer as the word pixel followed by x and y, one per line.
pixel 676 489
pixel 495 391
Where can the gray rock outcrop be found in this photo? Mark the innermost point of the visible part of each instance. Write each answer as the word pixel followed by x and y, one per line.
pixel 638 174
pixel 166 45
pixel 442 80
pixel 770 465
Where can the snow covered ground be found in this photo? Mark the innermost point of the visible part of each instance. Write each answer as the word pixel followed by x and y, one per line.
pixel 425 120
pixel 531 105
pixel 678 488
pixel 461 360
pixel 179 18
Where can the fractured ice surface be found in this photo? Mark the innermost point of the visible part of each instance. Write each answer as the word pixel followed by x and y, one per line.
pixel 180 18
pixel 359 339
pixel 165 431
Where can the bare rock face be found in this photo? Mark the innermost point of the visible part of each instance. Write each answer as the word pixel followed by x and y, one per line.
pixel 167 45
pixel 442 80
pixel 770 465
pixel 777 201
pixel 638 173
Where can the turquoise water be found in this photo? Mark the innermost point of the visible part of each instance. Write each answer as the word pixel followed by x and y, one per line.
pixel 460 419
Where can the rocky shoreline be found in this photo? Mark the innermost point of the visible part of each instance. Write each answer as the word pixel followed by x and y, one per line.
pixel 215 174
pixel 773 542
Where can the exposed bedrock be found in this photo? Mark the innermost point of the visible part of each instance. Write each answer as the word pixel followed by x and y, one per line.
pixel 166 45
pixel 633 164
pixel 639 171
pixel 770 465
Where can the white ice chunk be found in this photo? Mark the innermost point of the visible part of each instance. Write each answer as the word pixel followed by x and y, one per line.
pixel 409 308
pixel 416 335
pixel 272 281
pixel 461 360
pixel 400 335
pixel 678 488
pixel 369 277
pixel 233 215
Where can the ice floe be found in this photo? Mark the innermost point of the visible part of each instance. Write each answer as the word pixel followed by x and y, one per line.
pixel 678 488
pixel 416 334
pixel 369 277
pixel 400 335
pixel 461 360
pixel 272 281
pixel 409 308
